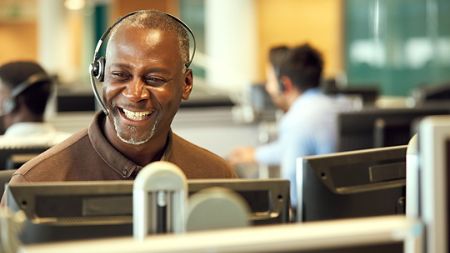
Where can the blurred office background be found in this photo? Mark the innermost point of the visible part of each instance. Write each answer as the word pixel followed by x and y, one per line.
pixel 395 44
pixel 395 47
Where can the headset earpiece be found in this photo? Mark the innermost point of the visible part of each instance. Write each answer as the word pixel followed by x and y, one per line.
pixel 8 106
pixel 98 69
pixel 281 84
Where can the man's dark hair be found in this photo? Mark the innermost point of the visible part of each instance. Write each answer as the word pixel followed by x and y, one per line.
pixel 36 96
pixel 277 55
pixel 152 19
pixel 303 65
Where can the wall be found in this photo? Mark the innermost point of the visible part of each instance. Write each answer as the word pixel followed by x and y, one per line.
pixel 121 7
pixel 18 30
pixel 318 22
pixel 18 41
pixel 399 45
pixel 288 21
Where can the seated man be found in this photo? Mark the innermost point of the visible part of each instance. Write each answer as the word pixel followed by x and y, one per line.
pixel 25 89
pixel 146 76
pixel 308 126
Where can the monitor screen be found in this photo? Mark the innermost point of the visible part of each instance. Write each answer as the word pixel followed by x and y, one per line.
pixel 352 184
pixel 375 127
pixel 77 210
pixel 434 190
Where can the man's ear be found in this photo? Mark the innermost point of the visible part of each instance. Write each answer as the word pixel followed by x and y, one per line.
pixel 286 84
pixel 188 83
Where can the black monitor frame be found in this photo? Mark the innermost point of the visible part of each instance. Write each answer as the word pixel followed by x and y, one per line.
pixel 58 211
pixel 358 129
pixel 352 184
pixel 395 131
pixel 8 159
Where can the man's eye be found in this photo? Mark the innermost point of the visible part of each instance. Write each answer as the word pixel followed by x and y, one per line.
pixel 119 75
pixel 155 81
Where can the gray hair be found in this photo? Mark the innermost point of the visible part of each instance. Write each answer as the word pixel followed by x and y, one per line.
pixel 153 19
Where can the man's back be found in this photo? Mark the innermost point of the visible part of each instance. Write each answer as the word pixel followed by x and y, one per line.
pixel 308 128
pixel 311 122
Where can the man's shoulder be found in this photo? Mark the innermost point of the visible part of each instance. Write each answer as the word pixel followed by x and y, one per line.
pixel 53 158
pixel 201 162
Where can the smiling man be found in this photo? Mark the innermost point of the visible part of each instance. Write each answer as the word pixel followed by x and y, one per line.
pixel 145 79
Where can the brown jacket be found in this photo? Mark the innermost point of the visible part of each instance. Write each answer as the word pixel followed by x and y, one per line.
pixel 87 155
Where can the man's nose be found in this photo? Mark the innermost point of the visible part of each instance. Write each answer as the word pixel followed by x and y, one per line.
pixel 136 91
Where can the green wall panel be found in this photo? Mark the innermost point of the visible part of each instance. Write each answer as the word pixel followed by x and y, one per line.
pixel 397 44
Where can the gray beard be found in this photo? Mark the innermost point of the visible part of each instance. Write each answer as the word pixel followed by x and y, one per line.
pixel 132 139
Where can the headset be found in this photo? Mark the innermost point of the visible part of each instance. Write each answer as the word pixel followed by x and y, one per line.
pixel 97 67
pixel 10 103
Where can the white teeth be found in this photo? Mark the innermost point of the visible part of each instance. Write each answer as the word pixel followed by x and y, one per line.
pixel 135 115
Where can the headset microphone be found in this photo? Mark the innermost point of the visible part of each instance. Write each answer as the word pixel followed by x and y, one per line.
pixel 97 67
pixel 277 71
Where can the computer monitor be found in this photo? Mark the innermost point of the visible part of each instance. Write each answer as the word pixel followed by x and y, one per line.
pixel 434 93
pixel 79 210
pixel 343 236
pixel 434 183
pixel 261 102
pixel 367 93
pixel 356 129
pixel 395 131
pixel 13 157
pixel 352 184
pixel 75 102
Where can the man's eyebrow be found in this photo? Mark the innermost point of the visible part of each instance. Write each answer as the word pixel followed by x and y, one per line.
pixel 158 70
pixel 148 70
pixel 122 65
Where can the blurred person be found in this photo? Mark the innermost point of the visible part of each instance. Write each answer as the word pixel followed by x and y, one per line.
pixel 308 126
pixel 25 89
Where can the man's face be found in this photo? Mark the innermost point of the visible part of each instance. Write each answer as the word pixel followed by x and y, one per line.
pixel 5 121
pixel 144 82
pixel 5 93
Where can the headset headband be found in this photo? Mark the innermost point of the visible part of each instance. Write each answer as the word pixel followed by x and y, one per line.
pixel 30 81
pixel 97 66
pixel 9 104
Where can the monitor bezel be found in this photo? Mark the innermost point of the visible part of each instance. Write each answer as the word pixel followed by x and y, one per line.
pixel 278 189
pixel 434 134
pixel 277 238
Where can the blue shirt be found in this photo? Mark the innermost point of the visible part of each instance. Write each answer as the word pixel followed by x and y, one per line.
pixel 308 128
